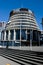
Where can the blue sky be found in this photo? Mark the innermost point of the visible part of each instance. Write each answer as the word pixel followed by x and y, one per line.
pixel 35 5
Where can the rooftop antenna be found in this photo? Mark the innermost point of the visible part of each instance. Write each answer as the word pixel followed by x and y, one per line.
pixel 21 5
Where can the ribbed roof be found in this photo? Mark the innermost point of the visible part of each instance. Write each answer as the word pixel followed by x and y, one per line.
pixel 20 9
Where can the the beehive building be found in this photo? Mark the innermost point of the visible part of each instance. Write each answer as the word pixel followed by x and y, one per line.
pixel 21 29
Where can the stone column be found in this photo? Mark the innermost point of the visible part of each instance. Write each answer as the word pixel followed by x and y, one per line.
pixel 31 37
pixel 4 35
pixel 26 34
pixel 9 35
pixel 20 37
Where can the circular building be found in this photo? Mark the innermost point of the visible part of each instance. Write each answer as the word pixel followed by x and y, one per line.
pixel 21 29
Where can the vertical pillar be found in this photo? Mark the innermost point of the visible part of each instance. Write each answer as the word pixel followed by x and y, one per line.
pixel 4 35
pixel 14 37
pixel 31 38
pixel 26 34
pixel 9 35
pixel 20 36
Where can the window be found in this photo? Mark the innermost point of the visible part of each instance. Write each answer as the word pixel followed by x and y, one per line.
pixel 17 34
pixel 6 35
pixel 11 34
pixel 23 35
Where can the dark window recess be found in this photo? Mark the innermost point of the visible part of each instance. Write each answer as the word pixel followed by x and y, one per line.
pixel 12 34
pixel 23 35
pixel 17 34
pixel 23 9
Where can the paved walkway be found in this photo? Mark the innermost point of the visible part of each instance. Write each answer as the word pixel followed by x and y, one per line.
pixel 4 61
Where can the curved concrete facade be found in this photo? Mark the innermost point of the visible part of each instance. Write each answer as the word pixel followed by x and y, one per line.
pixel 24 18
pixel 21 28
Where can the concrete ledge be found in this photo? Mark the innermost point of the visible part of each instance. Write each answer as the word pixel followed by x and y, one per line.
pixel 33 48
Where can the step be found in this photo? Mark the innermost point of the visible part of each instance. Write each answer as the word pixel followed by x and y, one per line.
pixel 16 60
pixel 24 60
pixel 32 59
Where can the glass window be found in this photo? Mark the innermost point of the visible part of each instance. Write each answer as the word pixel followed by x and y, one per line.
pixel 17 34
pixel 28 35
pixel 6 35
pixel 23 34
pixel 11 34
